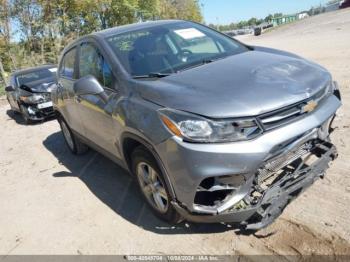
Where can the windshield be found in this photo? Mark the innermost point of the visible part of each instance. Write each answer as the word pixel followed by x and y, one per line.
pixel 36 75
pixel 170 48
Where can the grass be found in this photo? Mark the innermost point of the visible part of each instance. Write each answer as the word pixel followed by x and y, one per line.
pixel 2 90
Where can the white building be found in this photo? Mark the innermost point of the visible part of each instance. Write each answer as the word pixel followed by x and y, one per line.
pixel 303 15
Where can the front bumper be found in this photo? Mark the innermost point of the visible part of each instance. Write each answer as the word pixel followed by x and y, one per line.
pixel 255 213
pixel 37 114
pixel 188 165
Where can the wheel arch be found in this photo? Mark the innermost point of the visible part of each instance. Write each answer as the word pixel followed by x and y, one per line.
pixel 129 142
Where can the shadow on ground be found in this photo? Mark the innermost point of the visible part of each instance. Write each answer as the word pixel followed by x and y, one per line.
pixel 17 117
pixel 116 188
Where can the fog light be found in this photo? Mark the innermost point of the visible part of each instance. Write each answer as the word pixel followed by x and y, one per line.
pixel 234 180
pixel 213 191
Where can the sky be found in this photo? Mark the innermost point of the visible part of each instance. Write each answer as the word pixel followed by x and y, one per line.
pixel 228 11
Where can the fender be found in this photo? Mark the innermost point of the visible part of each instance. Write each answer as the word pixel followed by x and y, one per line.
pixel 152 150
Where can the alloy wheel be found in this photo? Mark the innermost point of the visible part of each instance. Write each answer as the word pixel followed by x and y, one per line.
pixel 152 187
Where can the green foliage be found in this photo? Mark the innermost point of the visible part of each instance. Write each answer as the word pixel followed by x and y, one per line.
pixel 277 15
pixel 2 90
pixel 44 27
pixel 268 18
pixel 333 2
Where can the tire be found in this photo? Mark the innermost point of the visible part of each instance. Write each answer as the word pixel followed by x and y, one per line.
pixel 142 158
pixel 73 142
pixel 25 117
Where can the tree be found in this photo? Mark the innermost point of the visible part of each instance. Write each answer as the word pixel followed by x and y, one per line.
pixel 276 15
pixel 268 18
pixel 180 9
pixel 333 2
pixel 252 21
pixel 5 37
pixel 45 27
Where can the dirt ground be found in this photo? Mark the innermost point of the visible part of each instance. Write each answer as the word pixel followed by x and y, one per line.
pixel 52 202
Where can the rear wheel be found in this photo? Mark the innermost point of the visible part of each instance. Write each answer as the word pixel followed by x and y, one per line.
pixel 73 142
pixel 152 185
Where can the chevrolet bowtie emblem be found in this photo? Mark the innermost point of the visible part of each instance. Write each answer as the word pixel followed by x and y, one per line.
pixel 309 107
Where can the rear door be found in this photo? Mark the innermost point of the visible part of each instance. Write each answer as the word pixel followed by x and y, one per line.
pixel 96 113
pixel 67 75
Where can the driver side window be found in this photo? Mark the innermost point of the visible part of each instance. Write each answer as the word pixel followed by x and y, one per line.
pixel 91 62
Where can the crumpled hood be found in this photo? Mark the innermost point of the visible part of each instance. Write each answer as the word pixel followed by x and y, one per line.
pixel 45 85
pixel 247 84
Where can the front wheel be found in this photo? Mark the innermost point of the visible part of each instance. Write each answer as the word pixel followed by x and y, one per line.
pixel 74 144
pixel 152 185
pixel 24 113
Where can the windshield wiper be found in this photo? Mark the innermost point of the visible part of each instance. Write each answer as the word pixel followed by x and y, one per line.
pixel 152 75
pixel 202 62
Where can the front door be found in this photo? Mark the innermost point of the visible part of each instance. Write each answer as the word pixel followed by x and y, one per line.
pixel 97 113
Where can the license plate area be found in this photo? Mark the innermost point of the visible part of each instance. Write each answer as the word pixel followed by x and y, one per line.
pixel 45 105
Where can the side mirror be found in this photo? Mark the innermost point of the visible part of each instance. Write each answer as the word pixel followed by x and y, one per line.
pixel 88 85
pixel 9 89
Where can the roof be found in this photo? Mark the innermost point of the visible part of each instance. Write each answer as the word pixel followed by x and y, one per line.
pixel 123 29
pixel 132 27
pixel 31 69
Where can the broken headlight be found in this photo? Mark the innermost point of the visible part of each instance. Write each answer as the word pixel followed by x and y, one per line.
pixel 33 99
pixel 195 128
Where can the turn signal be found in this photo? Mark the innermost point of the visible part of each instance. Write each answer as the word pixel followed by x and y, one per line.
pixel 171 126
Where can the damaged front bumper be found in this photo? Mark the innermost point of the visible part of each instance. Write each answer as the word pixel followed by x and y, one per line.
pixel 270 194
pixel 35 113
pixel 36 106
pixel 250 182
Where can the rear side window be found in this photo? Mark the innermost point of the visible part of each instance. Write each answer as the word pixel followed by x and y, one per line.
pixel 67 65
pixel 91 62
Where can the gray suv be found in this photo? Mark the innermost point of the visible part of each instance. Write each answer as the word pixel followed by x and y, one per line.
pixel 213 130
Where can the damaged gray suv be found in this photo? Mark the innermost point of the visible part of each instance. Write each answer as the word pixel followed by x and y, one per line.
pixel 213 130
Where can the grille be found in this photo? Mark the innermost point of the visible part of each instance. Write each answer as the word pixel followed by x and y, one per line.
pixel 273 166
pixel 289 114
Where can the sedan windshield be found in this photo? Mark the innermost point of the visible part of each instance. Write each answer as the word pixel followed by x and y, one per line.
pixel 48 73
pixel 161 50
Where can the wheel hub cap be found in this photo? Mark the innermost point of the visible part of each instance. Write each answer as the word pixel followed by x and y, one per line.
pixel 152 187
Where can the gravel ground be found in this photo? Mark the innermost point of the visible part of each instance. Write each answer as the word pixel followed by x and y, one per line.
pixel 52 202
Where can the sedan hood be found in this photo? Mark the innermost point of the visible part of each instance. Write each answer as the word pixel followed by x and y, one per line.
pixel 40 86
pixel 247 84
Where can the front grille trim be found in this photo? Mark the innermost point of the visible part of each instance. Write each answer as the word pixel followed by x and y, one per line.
pixel 289 114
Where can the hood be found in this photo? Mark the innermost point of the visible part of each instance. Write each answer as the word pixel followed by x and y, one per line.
pixel 45 85
pixel 247 84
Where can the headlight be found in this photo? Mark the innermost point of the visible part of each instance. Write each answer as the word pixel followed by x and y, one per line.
pixel 195 128
pixel 32 99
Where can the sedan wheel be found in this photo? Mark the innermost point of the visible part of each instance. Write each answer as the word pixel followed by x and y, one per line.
pixel 25 114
